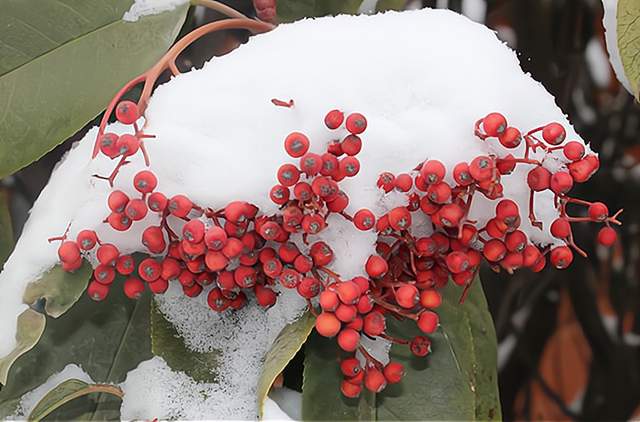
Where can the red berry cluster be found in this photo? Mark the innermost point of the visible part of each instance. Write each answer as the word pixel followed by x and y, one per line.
pixel 239 250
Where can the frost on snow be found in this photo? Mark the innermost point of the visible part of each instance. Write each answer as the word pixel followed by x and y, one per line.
pixel 219 138
pixel 29 400
pixel 610 23
pixel 142 8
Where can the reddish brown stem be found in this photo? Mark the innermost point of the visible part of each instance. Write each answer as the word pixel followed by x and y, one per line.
pixel 280 103
pixel 532 215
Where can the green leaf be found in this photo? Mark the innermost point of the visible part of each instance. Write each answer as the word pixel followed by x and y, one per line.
pixel 30 328
pixel 283 349
pixel 457 381
pixel 67 391
pixel 167 343
pixel 59 290
pixel 628 31
pixel 61 61
pixel 292 10
pixel 107 339
pixel 6 229
pixel 383 5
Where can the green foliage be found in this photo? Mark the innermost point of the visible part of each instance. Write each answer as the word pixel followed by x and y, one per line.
pixel 457 381
pixel 107 339
pixel 60 63
pixel 284 348
pixel 628 30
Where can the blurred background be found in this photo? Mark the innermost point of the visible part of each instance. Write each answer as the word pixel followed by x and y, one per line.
pixel 569 342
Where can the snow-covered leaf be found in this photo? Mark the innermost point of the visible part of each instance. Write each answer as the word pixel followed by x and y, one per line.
pixel 284 348
pixel 107 339
pixel 292 10
pixel 628 32
pixel 61 62
pixel 66 392
pixel 30 327
pixel 167 343
pixel 457 381
pixel 6 230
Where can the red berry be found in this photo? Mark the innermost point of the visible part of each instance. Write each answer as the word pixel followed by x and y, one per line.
pixel 350 367
pixel 376 266
pixel 125 265
pixel 400 218
pixel 265 296
pixel 288 175
pixel 433 171
pixel 430 298
pixel 407 296
pixel 215 238
pixel 386 181
pixel 539 179
pixel 351 145
pixel 104 274
pixel 217 301
pixel 374 380
pixel 233 248
pixel 321 254
pixel 428 322
pixel 553 133
pixel 582 170
pixel 598 211
pixel 117 201
pixel 494 250
pixel 311 164
pixel 296 144
pixel 289 278
pixel 561 183
pixel 133 288
pixel 334 119
pixel 303 264
pixel 348 292
pixel 449 215
pixel 350 390
pixel 516 241
pixel 457 262
pixel 180 206
pixel 506 164
pixel 192 291
pixel 157 202
pixel 245 277
pixel 403 182
pixel 364 219
pixel 303 191
pixel 145 181
pixel 482 168
pixel 420 346
pixel 607 236
pixel 356 123
pixel 136 209
pixel 159 286
pixel 69 251
pixel 119 221
pixel 329 301
pixel 327 324
pixel 494 124
pixel 215 261
pixel 439 193
pixel 153 239
pixel 339 203
pixel 309 287
pixel 461 174
pixel 97 291
pixel 127 145
pixel 561 228
pixel 346 313
pixel 393 372
pixel 149 270
pixel 510 138
pixel 186 278
pixel 127 112
pixel 329 165
pixel 108 145
pixel 573 150
pixel 561 257
pixel 107 254
pixel 348 339
pixel 86 239
pixel 374 324
pixel 512 261
pixel 508 212
pixel 531 255
pixel 193 231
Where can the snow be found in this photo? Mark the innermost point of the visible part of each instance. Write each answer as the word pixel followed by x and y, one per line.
pixel 288 401
pixel 142 8
pixel 243 339
pixel 29 400
pixel 220 140
pixel 610 22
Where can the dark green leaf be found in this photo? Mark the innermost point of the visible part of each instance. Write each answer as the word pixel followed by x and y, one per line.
pixel 30 328
pixel 383 5
pixel 60 63
pixel 6 229
pixel 457 381
pixel 292 10
pixel 283 349
pixel 167 343
pixel 67 391
pixel 107 339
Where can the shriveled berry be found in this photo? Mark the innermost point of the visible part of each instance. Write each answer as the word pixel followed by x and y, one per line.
pixel 420 346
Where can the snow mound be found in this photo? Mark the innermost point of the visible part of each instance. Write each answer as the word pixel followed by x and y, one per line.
pixel 219 137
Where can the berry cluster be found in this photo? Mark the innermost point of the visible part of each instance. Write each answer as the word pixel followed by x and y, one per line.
pixel 237 252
